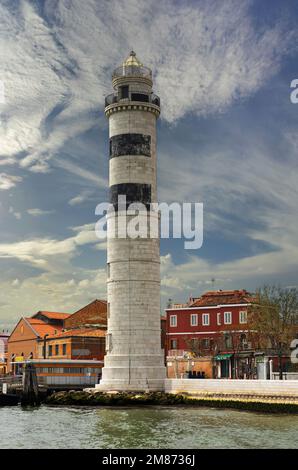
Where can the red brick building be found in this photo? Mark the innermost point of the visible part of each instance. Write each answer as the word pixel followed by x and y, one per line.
pixel 78 344
pixel 57 335
pixel 22 343
pixel 214 325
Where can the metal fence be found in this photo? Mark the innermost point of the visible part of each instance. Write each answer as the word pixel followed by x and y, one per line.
pixel 144 98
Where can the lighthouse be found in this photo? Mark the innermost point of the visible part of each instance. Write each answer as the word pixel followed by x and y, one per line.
pixel 134 358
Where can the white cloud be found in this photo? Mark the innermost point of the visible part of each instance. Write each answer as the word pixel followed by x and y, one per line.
pixel 205 56
pixel 80 198
pixel 50 291
pixel 16 214
pixel 6 161
pixel 49 253
pixel 36 212
pixel 8 181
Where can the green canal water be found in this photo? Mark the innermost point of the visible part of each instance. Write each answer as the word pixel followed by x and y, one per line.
pixel 152 427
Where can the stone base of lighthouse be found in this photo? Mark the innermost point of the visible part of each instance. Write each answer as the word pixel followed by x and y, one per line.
pixel 123 373
pixel 134 357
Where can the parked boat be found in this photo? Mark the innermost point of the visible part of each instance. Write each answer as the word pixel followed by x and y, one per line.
pixel 8 399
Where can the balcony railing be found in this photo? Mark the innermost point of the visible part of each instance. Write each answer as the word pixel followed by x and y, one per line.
pixel 176 353
pixel 142 97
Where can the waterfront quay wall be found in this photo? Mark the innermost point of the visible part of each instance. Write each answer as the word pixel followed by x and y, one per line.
pixel 276 388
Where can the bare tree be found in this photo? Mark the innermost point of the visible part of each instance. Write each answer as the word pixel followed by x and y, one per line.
pixel 273 318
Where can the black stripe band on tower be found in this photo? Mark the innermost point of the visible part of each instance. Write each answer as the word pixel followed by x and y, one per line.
pixel 134 192
pixel 130 144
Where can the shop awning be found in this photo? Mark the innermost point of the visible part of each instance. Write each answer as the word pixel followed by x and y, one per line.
pixel 222 357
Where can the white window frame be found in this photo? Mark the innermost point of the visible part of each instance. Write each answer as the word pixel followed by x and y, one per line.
pixel 241 313
pixel 218 318
pixel 204 317
pixel 173 321
pixel 225 318
pixel 194 316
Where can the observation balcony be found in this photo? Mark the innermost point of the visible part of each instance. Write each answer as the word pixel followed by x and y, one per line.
pixel 140 97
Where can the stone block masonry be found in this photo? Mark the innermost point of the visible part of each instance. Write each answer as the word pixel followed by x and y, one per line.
pixel 274 388
pixel 134 359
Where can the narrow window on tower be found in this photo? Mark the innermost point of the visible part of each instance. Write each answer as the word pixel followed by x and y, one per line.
pixel 108 342
pixel 108 270
pixel 124 92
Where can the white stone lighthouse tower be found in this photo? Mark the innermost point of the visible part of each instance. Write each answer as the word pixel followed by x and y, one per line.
pixel 134 359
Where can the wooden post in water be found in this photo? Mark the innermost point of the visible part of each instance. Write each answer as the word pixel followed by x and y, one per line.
pixel 30 394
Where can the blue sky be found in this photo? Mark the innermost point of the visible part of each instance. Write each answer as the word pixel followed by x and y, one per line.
pixel 227 137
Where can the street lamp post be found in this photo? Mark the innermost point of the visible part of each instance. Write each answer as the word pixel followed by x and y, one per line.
pixel 45 345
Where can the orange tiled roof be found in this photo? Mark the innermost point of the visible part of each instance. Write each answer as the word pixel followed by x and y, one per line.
pixel 93 313
pixel 41 328
pixel 223 297
pixel 100 303
pixel 54 315
pixel 88 332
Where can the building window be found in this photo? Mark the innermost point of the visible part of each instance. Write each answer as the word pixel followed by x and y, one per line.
pixel 243 316
pixel 205 319
pixel 50 350
pixel 173 320
pixel 173 344
pixel 194 319
pixel 228 341
pixel 205 343
pixel 64 349
pixel 219 318
pixel 57 349
pixel 227 318
pixel 108 270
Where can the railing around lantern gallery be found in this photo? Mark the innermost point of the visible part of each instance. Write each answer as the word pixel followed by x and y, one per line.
pixel 142 97
pixel 132 71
